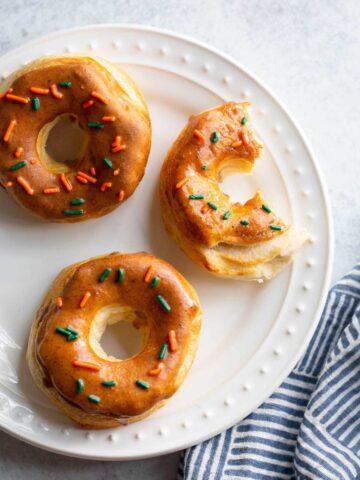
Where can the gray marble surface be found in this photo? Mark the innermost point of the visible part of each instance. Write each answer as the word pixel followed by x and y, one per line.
pixel 306 51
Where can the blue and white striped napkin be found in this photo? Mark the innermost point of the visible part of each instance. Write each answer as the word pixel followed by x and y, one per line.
pixel 310 427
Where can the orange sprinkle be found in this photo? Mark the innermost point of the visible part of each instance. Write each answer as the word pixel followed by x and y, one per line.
pixel 236 144
pixel 88 104
pixel 92 171
pixel 59 302
pixel 51 190
pixel 9 130
pixel 3 94
pixel 84 299
pixel 105 186
pixel 116 141
pixel 244 136
pixel 87 365
pixel 155 371
pixel 16 98
pixel 181 183
pixel 32 162
pixel 120 196
pixel 18 152
pixel 109 118
pixel 205 208
pixel 66 183
pixel 86 176
pixel 8 184
pixel 81 179
pixel 116 172
pixel 172 341
pixel 25 184
pixel 148 274
pixel 197 134
pixel 55 92
pixel 100 97
pixel 118 148
pixel 39 90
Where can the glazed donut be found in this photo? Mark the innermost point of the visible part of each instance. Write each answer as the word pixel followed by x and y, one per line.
pixel 111 111
pixel 64 352
pixel 228 239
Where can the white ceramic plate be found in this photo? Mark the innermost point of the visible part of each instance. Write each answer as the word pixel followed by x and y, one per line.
pixel 252 334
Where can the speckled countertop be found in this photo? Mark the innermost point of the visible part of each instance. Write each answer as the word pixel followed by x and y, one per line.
pixel 306 51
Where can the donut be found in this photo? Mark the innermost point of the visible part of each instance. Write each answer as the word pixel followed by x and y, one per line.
pixel 66 359
pixel 233 240
pixel 104 102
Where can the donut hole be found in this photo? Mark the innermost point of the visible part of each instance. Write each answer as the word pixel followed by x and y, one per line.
pixel 233 182
pixel 61 144
pixel 117 333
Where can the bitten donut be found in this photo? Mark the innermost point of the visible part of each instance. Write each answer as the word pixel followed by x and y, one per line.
pixel 107 106
pixel 228 239
pixel 64 352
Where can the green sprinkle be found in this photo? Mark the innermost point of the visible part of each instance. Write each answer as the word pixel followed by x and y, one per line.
pixel 154 282
pixel 95 125
pixel 244 222
pixel 108 162
pixel 18 165
pixel 94 398
pixel 212 205
pixel 63 331
pixel 104 274
pixel 71 330
pixel 214 137
pixel 36 104
pixel 79 382
pixel 227 215
pixel 110 383
pixel 142 384
pixel 275 227
pixel 204 167
pixel 266 208
pixel 64 84
pixel 163 351
pixel 120 275
pixel 77 201
pixel 244 121
pixel 164 305
pixel 70 338
pixel 199 196
pixel 73 212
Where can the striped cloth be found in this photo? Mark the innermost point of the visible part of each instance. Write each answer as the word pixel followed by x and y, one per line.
pixel 310 427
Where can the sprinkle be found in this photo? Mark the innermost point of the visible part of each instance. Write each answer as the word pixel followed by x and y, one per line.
pixel 86 177
pixel 36 104
pixel 236 144
pixel 108 118
pixel 212 205
pixel 197 134
pixel 214 137
pixel 100 97
pixel 8 184
pixel 86 365
pixel 63 331
pixel 95 125
pixel 226 215
pixel 81 179
pixel 65 182
pixel 116 141
pixel 105 274
pixel 51 190
pixel 266 208
pixel 73 213
pixel 16 98
pixel 148 274
pixel 118 148
pixel 18 152
pixel 64 84
pixel 94 398
pixel 72 331
pixel 84 299
pixel 39 91
pixel 120 196
pixel 244 120
pixel 25 185
pixel 77 201
pixel 108 162
pixel 199 196
pixel 155 371
pixel 109 383
pixel 9 130
pixel 59 302
pixel 142 384
pixel 244 222
pixel 182 182
pixel 244 137
pixel 275 227
pixel 105 186
pixel 154 282
pixel 164 305
pixel 70 337
pixel 79 382
pixel 172 341
pixel 116 172
pixel 163 351
pixel 205 208
pixel 120 275
pixel 32 162
pixel 18 165
pixel 93 171
pixel 87 104
pixel 55 92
